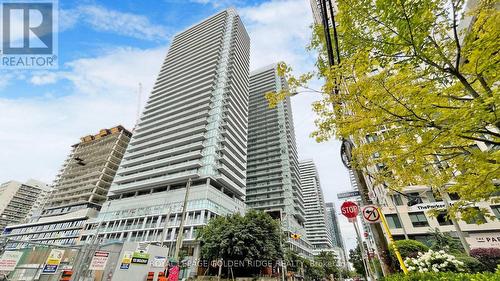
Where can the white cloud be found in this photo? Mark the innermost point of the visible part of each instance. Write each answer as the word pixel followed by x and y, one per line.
pixel 106 20
pixel 279 30
pixel 5 79
pixel 37 133
pixel 44 78
pixel 217 3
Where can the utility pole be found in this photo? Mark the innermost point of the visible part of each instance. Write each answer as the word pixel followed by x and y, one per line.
pixel 180 234
pixel 376 228
pixel 165 228
pixel 378 234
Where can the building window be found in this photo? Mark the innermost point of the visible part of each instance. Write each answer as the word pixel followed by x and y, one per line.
pixel 496 211
pixel 371 138
pixel 454 196
pixel 380 167
pixel 478 218
pixel 393 221
pixel 414 198
pixel 430 196
pixel 443 219
pixel 396 198
pixel 418 219
pixel 437 196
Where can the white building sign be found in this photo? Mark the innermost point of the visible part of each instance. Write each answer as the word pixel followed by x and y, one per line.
pixel 484 240
pixel 427 206
pixel 99 260
pixel 9 260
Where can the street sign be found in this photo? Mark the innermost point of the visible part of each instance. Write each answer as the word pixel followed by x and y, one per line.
pixel 371 214
pixel 348 194
pixel 349 209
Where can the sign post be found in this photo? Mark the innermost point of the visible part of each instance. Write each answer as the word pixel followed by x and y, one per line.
pixel 351 210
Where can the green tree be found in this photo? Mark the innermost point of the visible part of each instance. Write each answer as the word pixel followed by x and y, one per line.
pixel 328 262
pixel 356 259
pixel 312 271
pixel 254 237
pixel 417 92
pixel 444 241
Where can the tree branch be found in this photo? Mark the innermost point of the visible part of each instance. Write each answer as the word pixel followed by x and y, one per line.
pixel 479 139
pixel 455 35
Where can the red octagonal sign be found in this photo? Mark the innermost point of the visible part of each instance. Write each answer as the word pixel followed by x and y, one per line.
pixel 349 209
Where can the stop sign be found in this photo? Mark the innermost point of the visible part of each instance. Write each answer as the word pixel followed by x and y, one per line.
pixel 349 209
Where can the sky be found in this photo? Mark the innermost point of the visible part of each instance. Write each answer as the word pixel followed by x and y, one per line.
pixel 107 48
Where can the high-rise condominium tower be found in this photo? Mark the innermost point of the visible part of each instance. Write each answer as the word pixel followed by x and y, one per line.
pixel 79 190
pixel 333 228
pixel 317 10
pixel 273 182
pixel 18 200
pixel 314 202
pixel 192 129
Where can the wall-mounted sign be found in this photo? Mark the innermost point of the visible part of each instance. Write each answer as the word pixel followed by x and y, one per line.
pixel 484 240
pixel 159 261
pixel 140 258
pixel 427 206
pixel 9 260
pixel 53 261
pixel 126 260
pixel 99 260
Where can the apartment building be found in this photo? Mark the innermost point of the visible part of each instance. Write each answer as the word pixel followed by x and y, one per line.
pixel 18 201
pixel 192 132
pixel 414 219
pixel 273 176
pixel 316 226
pixel 78 192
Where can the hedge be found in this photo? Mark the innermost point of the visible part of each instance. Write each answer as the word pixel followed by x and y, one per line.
pixel 407 249
pixel 445 276
pixel 490 257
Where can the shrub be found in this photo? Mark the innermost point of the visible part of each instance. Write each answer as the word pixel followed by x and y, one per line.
pixel 472 264
pixel 448 276
pixel 407 249
pixel 490 257
pixel 444 241
pixel 434 261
